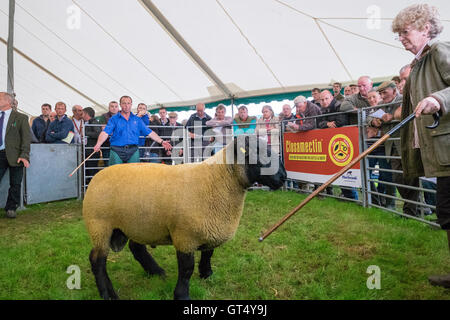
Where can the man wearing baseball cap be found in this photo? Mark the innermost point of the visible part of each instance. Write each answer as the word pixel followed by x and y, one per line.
pixel 390 95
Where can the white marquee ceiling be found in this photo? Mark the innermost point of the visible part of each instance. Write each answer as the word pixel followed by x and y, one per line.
pixel 90 52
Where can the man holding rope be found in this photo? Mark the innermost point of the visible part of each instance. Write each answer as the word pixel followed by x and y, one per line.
pixel 125 129
pixel 427 91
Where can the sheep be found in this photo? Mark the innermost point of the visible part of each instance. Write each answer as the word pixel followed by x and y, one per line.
pixel 190 206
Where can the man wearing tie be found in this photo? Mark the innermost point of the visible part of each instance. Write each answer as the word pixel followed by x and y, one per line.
pixel 14 150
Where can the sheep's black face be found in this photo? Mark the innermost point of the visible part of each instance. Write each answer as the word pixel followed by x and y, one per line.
pixel 261 165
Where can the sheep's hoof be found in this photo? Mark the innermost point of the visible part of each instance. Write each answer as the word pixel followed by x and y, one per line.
pixel 181 297
pixel 206 274
pixel 160 272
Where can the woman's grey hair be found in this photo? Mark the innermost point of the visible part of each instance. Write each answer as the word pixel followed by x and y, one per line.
pixel 268 108
pixel 417 16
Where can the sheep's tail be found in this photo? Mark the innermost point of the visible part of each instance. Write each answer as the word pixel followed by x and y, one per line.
pixel 118 240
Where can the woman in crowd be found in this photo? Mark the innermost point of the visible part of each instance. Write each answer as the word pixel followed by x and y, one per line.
pixel 268 128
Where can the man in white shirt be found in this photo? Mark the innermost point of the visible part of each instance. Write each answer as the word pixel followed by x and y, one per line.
pixel 78 123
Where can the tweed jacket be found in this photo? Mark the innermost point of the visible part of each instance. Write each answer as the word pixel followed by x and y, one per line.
pixel 354 101
pixel 17 138
pixel 311 111
pixel 430 76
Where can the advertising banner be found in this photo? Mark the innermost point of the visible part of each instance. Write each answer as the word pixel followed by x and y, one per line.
pixel 317 155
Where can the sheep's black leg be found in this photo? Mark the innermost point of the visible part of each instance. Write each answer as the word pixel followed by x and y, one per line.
pixel 104 285
pixel 147 262
pixel 185 270
pixel 204 267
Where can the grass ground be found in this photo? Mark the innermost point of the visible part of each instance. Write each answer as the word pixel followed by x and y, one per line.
pixel 322 252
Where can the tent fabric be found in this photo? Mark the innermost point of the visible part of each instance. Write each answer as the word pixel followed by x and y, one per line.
pixel 90 52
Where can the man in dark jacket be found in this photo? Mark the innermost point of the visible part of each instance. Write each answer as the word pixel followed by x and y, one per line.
pixel 153 149
pixel 329 105
pixel 41 123
pixel 176 140
pixel 196 126
pixel 304 109
pixel 92 130
pixel 337 87
pixel 316 96
pixel 113 109
pixel 60 128
pixel 165 132
pixel 14 149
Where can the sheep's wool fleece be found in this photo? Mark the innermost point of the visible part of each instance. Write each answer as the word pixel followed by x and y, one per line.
pixel 189 205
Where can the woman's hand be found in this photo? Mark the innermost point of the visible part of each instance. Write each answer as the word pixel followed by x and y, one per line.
pixel 427 106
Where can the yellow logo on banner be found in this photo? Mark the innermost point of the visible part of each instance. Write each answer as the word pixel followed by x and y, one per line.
pixel 340 150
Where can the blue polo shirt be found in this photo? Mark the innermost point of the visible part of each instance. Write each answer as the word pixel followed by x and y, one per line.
pixel 126 132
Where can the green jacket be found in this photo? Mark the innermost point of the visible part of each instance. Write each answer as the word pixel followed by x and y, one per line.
pixel 17 138
pixel 430 76
pixel 355 101
pixel 244 127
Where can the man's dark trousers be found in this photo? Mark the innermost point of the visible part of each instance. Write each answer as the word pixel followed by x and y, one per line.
pixel 15 182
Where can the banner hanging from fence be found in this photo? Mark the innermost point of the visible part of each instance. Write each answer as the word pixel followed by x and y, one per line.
pixel 317 155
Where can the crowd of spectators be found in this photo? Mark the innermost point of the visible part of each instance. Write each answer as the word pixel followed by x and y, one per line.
pixel 328 108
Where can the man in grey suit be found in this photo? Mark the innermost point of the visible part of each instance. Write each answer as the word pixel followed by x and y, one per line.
pixel 14 149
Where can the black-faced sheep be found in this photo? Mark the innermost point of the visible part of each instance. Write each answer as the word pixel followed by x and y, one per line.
pixel 192 206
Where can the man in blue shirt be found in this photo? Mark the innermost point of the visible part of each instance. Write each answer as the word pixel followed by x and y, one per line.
pixel 125 128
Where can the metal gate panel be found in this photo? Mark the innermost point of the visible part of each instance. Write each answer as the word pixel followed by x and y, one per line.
pixel 47 178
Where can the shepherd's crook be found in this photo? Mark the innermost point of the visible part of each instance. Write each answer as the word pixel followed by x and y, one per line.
pixel 345 169
pixel 101 156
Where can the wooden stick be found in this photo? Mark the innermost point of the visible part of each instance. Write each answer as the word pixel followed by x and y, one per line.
pixel 101 155
pixel 337 175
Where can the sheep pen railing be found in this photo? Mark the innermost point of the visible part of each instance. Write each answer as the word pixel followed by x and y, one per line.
pixel 187 150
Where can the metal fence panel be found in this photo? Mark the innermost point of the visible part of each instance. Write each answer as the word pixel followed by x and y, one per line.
pixel 362 195
pixel 47 178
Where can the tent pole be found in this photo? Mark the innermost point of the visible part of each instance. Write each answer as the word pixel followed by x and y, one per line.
pixel 10 48
pixel 176 36
pixel 232 107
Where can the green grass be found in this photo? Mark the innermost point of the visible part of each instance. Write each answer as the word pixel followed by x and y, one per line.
pixel 322 252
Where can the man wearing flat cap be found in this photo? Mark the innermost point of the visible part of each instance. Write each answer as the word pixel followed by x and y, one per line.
pixel 390 95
